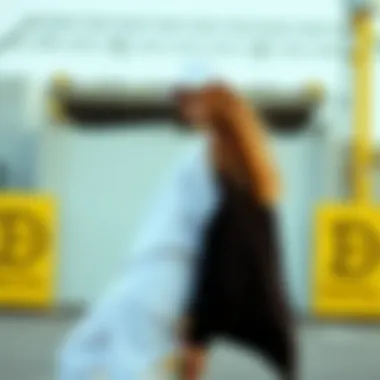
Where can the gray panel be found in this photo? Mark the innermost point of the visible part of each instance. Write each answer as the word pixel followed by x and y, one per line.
pixel 3 174
pixel 18 159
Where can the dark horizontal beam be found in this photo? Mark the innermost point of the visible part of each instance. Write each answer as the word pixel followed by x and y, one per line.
pixel 100 113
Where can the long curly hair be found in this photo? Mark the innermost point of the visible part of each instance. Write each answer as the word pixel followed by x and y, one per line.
pixel 240 146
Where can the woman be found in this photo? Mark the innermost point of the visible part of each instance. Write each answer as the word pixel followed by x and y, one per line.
pixel 135 325
pixel 239 292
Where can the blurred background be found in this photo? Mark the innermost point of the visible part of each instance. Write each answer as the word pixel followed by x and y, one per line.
pixel 86 130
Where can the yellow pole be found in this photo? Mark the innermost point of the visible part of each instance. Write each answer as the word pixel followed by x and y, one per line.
pixel 363 70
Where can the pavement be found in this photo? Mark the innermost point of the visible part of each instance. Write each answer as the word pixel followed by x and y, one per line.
pixel 328 352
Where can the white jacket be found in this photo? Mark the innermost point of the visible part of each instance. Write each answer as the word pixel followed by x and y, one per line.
pixel 132 326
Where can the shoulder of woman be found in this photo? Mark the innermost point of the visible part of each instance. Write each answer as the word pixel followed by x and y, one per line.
pixel 194 159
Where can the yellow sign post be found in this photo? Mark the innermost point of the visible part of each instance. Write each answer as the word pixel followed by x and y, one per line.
pixel 27 251
pixel 346 281
pixel 363 62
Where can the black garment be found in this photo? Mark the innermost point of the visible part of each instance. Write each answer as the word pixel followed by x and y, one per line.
pixel 240 293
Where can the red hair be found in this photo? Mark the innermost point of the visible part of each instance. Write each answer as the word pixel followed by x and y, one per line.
pixel 240 142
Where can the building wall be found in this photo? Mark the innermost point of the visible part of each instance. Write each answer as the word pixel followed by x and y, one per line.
pixel 104 181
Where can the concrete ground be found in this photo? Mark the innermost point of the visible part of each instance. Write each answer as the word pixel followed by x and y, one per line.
pixel 27 346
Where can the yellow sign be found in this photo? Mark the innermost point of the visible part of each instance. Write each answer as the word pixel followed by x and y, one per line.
pixel 27 250
pixel 346 279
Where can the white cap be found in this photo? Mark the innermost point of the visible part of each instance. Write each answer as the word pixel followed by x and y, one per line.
pixel 195 75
